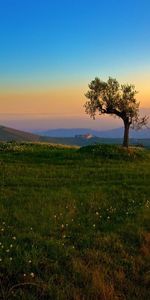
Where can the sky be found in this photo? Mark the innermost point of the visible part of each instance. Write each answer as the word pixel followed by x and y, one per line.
pixel 51 50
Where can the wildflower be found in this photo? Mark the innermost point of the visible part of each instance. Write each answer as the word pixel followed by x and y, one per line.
pixel 62 226
pixel 7 250
pixel 10 258
pixel 32 274
pixel 11 246
pixel 31 228
pixel 0 259
pixel 2 229
pixel 24 275
pixel 29 261
pixel 94 225
pixel 14 238
pixel 97 213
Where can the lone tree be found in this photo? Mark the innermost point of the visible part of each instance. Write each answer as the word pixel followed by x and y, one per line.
pixel 114 99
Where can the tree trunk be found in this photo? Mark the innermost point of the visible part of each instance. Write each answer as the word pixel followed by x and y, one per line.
pixel 126 134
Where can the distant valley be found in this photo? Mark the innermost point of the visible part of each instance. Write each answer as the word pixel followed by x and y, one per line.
pixel 112 133
pixel 75 136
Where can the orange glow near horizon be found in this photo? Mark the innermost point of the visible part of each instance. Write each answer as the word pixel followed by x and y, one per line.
pixel 56 102
pixel 67 100
pixel 141 80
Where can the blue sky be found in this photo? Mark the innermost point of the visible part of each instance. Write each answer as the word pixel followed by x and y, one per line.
pixel 70 38
pixel 49 44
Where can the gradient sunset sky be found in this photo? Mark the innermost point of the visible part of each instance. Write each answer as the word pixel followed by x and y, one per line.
pixel 51 50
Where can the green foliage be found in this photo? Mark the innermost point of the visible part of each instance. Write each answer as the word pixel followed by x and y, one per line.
pixel 73 225
pixel 111 98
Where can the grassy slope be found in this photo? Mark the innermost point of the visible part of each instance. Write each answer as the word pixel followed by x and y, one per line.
pixel 10 134
pixel 96 140
pixel 73 225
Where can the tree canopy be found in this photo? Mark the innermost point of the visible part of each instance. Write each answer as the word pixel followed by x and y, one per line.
pixel 114 99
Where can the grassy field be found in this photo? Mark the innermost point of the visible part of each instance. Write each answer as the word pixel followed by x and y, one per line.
pixel 74 223
pixel 95 140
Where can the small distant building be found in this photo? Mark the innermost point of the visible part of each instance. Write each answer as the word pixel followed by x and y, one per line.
pixel 86 136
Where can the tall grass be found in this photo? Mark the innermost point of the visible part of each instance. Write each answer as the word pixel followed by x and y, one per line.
pixel 74 224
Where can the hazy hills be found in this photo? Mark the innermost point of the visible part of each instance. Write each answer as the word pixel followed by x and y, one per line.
pixel 10 134
pixel 73 136
pixel 113 133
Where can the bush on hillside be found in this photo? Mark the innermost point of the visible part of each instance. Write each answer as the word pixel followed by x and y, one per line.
pixel 114 151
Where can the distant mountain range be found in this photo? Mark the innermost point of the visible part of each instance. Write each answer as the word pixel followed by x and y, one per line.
pixel 75 136
pixel 113 133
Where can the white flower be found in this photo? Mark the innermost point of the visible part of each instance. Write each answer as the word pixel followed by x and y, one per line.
pixel 32 274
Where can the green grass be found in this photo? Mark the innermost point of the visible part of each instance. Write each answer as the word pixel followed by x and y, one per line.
pixel 74 223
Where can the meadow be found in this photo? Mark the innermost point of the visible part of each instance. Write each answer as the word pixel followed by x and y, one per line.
pixel 74 223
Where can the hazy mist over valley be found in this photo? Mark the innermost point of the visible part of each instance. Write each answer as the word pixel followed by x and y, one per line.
pixel 44 122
